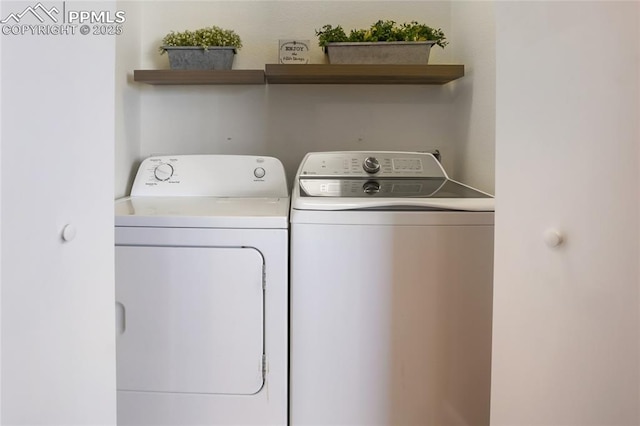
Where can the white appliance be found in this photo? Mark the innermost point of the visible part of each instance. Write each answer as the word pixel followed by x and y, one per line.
pixel 201 253
pixel 391 293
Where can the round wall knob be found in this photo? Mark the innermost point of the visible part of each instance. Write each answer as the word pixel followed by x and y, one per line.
pixel 553 237
pixel 69 232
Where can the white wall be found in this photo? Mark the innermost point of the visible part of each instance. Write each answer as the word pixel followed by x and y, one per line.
pixel 127 99
pixel 566 345
pixel 287 121
pixel 473 129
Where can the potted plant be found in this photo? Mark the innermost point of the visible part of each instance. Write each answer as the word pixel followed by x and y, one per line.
pixel 205 48
pixel 384 42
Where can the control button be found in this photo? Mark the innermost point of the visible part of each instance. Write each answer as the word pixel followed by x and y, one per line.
pixel 163 171
pixel 259 172
pixel 371 165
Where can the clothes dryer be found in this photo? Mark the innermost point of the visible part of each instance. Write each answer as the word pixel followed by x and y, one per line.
pixel 201 255
pixel 391 293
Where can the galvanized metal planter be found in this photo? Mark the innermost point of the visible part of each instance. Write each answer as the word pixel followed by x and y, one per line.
pixel 197 58
pixel 386 52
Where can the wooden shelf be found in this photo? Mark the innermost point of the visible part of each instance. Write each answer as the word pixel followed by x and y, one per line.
pixel 362 74
pixel 199 76
pixel 308 74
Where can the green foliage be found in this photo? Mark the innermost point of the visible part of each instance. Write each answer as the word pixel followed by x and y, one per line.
pixel 382 31
pixel 204 37
pixel 328 34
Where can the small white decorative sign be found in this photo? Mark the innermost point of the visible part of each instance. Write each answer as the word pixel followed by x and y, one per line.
pixel 294 51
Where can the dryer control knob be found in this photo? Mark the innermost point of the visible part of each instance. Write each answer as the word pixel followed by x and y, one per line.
pixel 259 172
pixel 371 165
pixel 163 171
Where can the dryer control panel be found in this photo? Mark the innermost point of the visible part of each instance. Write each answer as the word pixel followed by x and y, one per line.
pixel 381 164
pixel 210 175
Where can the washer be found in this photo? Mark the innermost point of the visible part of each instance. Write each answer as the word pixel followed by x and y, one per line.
pixel 201 255
pixel 391 292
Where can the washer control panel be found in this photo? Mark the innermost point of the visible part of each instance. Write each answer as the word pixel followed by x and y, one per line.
pixel 371 164
pixel 210 175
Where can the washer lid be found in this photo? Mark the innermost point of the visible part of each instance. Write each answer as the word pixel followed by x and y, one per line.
pixel 202 212
pixel 354 180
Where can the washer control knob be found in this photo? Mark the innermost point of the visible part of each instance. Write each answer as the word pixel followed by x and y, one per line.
pixel 371 165
pixel 259 172
pixel 163 171
pixel 371 187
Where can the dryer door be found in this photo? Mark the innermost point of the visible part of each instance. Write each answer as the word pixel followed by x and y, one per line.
pixel 190 319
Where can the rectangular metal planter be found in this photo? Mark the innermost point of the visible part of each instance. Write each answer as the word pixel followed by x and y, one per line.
pixel 387 52
pixel 197 58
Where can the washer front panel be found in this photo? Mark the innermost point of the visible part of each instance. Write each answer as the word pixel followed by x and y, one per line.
pixel 390 325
